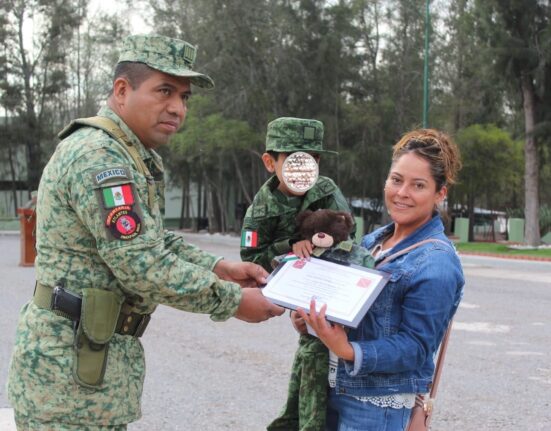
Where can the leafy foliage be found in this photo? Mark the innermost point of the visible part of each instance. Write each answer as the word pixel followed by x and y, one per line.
pixel 356 65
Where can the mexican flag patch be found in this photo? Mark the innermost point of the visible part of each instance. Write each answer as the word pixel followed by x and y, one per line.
pixel 290 257
pixel 117 196
pixel 249 238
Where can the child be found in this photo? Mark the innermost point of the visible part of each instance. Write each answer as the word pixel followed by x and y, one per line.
pixel 270 229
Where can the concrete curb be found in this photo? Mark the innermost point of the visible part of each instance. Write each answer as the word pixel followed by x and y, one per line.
pixel 506 256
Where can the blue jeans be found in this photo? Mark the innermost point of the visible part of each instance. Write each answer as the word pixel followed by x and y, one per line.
pixel 346 413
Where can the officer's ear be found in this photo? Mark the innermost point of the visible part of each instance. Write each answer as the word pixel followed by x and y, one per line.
pixel 269 162
pixel 121 88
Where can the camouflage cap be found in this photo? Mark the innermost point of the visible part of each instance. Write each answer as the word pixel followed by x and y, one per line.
pixel 287 135
pixel 172 56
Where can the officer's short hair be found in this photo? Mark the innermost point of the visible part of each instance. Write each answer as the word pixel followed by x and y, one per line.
pixel 135 73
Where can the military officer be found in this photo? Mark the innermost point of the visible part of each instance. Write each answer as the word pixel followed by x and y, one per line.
pixel 104 260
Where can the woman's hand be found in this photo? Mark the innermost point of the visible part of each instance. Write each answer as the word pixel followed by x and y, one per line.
pixel 303 249
pixel 332 335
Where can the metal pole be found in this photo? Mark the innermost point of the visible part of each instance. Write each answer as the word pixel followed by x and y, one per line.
pixel 426 68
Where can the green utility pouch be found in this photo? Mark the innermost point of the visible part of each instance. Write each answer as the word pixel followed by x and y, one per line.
pixel 98 321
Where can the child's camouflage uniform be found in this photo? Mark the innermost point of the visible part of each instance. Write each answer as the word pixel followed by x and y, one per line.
pixel 306 405
pixel 272 216
pixel 271 221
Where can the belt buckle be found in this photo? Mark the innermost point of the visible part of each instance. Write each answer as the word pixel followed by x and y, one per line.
pixel 140 328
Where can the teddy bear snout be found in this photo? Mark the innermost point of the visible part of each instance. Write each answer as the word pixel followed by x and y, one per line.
pixel 321 239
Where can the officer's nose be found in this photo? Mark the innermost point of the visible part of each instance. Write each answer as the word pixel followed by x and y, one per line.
pixel 177 107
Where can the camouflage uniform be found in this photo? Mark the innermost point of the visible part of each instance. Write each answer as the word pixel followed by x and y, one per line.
pixel 271 217
pixel 76 241
pixel 305 408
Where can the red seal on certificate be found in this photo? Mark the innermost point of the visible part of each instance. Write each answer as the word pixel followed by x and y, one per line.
pixel 363 282
pixel 299 264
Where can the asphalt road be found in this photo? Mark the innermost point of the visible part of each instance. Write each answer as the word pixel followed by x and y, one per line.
pixel 232 376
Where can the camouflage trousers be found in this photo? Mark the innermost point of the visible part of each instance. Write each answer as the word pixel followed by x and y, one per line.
pixel 306 405
pixel 27 424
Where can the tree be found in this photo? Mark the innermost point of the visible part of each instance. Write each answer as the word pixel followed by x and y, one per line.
pixel 520 41
pixel 492 166
pixel 38 74
pixel 207 151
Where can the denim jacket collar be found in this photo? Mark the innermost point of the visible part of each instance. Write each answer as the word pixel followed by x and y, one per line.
pixel 431 228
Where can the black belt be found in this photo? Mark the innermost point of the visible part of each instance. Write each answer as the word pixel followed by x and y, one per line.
pixel 128 323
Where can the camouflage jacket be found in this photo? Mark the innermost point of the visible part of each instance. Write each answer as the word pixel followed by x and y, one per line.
pixel 272 217
pixel 346 253
pixel 77 239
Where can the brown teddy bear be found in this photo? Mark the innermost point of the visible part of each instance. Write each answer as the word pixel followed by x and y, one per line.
pixel 329 231
pixel 325 227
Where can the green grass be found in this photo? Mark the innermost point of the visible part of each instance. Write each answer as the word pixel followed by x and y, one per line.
pixel 9 224
pixel 497 248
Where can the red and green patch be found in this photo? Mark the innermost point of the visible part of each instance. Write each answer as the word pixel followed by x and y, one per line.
pixel 123 223
pixel 117 195
pixel 249 238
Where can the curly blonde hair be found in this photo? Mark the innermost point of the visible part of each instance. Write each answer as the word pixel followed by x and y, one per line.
pixel 437 148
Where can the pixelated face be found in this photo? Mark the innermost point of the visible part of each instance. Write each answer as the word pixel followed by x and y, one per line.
pixel 297 172
pixel 300 172
pixel 156 109
pixel 410 192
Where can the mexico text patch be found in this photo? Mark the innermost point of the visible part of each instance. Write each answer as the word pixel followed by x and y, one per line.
pixel 123 223
pixel 111 173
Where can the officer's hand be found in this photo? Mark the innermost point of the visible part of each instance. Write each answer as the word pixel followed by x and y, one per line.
pixel 303 249
pixel 246 274
pixel 298 323
pixel 254 307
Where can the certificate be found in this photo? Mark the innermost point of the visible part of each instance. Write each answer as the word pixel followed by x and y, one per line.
pixel 348 290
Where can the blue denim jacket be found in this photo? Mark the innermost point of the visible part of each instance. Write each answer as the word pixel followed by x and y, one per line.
pixel 396 341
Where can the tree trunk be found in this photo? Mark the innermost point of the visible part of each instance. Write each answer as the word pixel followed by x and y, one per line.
pixel 199 203
pixel 470 207
pixel 531 177
pixel 12 166
pixel 209 200
pixel 30 137
pixel 184 203
pixel 240 178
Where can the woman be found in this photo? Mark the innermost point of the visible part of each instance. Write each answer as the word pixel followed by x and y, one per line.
pixel 389 358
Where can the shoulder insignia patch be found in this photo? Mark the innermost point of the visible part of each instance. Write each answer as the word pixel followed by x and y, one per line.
pixel 327 187
pixel 115 196
pixel 259 211
pixel 108 174
pixel 123 223
pixel 249 238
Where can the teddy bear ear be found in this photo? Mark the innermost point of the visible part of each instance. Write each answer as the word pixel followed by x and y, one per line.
pixel 349 219
pixel 303 216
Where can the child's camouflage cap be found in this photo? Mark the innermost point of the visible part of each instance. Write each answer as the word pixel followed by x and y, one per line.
pixel 287 135
pixel 172 56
